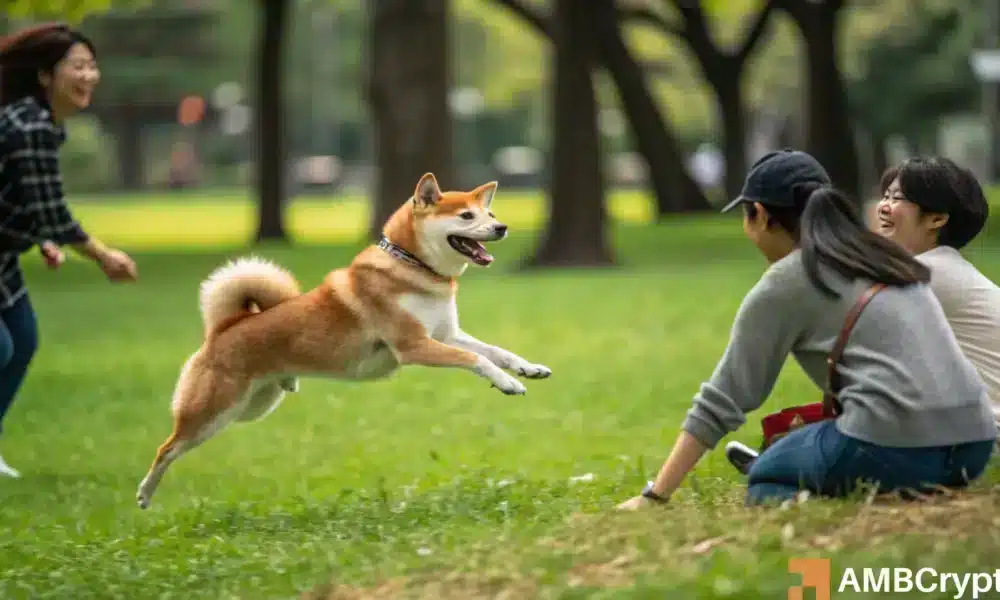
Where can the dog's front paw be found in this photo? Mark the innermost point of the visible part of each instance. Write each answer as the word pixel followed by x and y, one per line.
pixel 510 386
pixel 531 371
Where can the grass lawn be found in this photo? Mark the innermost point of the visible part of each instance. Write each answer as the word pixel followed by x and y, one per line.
pixel 429 484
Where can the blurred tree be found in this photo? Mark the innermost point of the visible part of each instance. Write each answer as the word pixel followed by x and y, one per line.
pixel 269 120
pixel 152 58
pixel 164 52
pixel 576 229
pixel 722 68
pixel 408 78
pixel 673 188
pixel 829 131
pixel 916 71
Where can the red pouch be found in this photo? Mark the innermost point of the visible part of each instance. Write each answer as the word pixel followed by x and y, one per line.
pixel 777 425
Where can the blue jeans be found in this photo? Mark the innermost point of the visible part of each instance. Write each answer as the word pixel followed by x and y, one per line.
pixel 821 459
pixel 18 343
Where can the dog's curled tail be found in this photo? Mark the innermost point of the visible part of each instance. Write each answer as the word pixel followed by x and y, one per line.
pixel 235 288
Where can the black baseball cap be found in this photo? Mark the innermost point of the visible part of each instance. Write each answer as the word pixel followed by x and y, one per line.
pixel 774 177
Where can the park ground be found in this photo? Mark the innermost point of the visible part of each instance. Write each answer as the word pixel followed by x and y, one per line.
pixel 429 484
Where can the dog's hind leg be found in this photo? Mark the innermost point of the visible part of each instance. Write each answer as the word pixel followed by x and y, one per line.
pixel 201 409
pixel 262 400
pixel 166 454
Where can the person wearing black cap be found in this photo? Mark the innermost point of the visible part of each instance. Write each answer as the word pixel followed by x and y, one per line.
pixel 934 208
pixel 914 414
pixel 47 73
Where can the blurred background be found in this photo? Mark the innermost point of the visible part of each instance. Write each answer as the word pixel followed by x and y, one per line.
pixel 592 110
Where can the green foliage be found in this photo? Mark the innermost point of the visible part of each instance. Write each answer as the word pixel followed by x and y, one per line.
pixel 511 59
pixel 72 11
pixel 156 55
pixel 916 71
pixel 88 159
pixel 684 93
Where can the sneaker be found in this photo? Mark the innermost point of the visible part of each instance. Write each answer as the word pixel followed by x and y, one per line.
pixel 741 456
pixel 7 470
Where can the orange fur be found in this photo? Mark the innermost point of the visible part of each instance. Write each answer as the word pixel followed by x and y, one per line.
pixel 361 322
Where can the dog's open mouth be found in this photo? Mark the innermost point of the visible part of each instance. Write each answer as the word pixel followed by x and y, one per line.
pixel 471 248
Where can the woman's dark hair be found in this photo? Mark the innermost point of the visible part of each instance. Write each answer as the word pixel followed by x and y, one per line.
pixel 26 53
pixel 938 185
pixel 829 229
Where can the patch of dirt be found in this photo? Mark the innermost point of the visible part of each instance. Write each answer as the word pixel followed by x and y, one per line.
pixel 446 586
pixel 953 517
pixel 611 574
pixel 388 589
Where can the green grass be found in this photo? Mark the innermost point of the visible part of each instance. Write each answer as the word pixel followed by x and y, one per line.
pixel 429 484
pixel 186 220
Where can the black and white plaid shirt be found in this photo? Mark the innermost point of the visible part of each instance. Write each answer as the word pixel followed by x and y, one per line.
pixel 32 207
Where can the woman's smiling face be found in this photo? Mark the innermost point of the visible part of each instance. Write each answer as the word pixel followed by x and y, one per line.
pixel 903 222
pixel 71 83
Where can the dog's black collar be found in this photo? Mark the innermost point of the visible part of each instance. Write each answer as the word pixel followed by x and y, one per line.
pixel 405 256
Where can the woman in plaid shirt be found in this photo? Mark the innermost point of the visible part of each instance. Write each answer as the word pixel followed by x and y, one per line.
pixel 47 73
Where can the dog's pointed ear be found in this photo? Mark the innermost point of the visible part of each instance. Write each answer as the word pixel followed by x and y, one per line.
pixel 427 193
pixel 485 193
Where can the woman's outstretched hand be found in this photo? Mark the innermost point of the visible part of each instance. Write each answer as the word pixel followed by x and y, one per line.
pixel 118 266
pixel 52 254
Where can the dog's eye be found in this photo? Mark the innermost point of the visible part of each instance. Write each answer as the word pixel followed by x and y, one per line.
pixel 467 215
pixel 492 216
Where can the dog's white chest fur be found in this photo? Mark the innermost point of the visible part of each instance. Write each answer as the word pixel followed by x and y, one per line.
pixel 439 316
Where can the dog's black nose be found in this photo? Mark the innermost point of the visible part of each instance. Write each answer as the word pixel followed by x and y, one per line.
pixel 500 228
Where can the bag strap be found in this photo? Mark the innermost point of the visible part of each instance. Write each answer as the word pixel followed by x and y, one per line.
pixel 831 406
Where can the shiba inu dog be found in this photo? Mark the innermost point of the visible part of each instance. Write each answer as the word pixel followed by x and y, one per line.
pixel 394 305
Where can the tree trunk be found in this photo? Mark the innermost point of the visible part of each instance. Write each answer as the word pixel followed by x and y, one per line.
pixel 828 125
pixel 269 120
pixel 130 157
pixel 673 186
pixel 575 233
pixel 727 85
pixel 880 155
pixel 408 84
pixel 723 70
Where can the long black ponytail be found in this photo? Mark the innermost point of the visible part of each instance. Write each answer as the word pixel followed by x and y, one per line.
pixel 832 232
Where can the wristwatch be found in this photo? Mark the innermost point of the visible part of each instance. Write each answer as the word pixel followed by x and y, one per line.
pixel 647 492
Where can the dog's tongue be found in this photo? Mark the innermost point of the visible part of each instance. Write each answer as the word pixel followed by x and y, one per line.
pixel 479 251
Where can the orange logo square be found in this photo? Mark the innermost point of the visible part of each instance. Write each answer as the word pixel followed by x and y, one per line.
pixel 815 574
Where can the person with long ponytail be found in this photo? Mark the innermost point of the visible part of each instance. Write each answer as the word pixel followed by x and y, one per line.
pixel 47 73
pixel 914 414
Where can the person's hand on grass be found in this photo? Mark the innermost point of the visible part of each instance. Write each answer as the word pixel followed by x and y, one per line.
pixel 52 254
pixel 118 266
pixel 636 503
pixel 687 451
